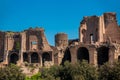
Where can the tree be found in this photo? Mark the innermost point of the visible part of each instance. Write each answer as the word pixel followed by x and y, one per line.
pixel 69 71
pixel 50 74
pixel 110 72
pixel 11 72
pixel 84 71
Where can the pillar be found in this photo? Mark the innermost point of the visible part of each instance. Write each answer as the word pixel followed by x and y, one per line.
pixel 73 50
pixel 52 57
pixel 6 49
pixel 29 58
pixel 111 55
pixel 21 57
pixel 93 56
pixel 40 58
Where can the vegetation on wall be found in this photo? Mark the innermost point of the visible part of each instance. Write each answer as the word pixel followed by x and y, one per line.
pixel 17 45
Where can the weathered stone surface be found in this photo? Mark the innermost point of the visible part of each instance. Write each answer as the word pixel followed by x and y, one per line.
pixel 99 42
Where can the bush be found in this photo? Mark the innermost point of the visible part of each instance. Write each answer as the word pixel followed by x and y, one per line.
pixel 110 72
pixel 84 71
pixel 34 77
pixel 11 72
pixel 68 71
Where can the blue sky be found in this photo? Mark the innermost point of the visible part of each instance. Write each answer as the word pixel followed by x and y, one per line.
pixel 53 15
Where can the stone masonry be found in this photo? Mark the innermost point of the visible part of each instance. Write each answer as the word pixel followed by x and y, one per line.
pixel 99 42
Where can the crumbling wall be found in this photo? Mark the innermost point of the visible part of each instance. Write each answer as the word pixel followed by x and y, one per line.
pixel 37 35
pixel 2 35
pixel 112 31
pixel 89 29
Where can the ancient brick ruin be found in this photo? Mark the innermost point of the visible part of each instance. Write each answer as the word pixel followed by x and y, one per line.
pixel 99 42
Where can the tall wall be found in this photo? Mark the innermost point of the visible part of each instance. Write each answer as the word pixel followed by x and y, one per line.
pixel 13 41
pixel 36 39
pixel 82 31
pixel 2 35
pixel 112 31
pixel 99 29
pixel 12 44
pixel 23 41
pixel 89 29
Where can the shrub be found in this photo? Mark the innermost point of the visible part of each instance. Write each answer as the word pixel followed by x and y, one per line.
pixel 11 72
pixel 110 72
pixel 68 71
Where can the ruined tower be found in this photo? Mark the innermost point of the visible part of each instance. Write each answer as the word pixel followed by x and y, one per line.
pixel 61 40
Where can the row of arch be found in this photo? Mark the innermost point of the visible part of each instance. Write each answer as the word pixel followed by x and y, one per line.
pixel 30 58
pixel 83 54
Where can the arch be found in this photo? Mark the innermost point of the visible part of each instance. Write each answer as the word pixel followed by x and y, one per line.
pixel 14 58
pixel 45 57
pixel 102 55
pixel 35 57
pixel 25 57
pixel 119 58
pixel 67 56
pixel 83 54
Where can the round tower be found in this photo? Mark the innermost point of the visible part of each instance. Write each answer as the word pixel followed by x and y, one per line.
pixel 61 40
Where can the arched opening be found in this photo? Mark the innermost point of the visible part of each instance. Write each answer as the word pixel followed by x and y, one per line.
pixel 67 56
pixel 34 58
pixel 45 57
pixel 119 58
pixel 25 57
pixel 103 55
pixel 83 54
pixel 14 58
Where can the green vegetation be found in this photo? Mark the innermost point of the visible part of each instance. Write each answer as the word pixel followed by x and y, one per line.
pixel 78 71
pixel 11 72
pixel 68 71
pixel 110 72
pixel 17 47
pixel 34 77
